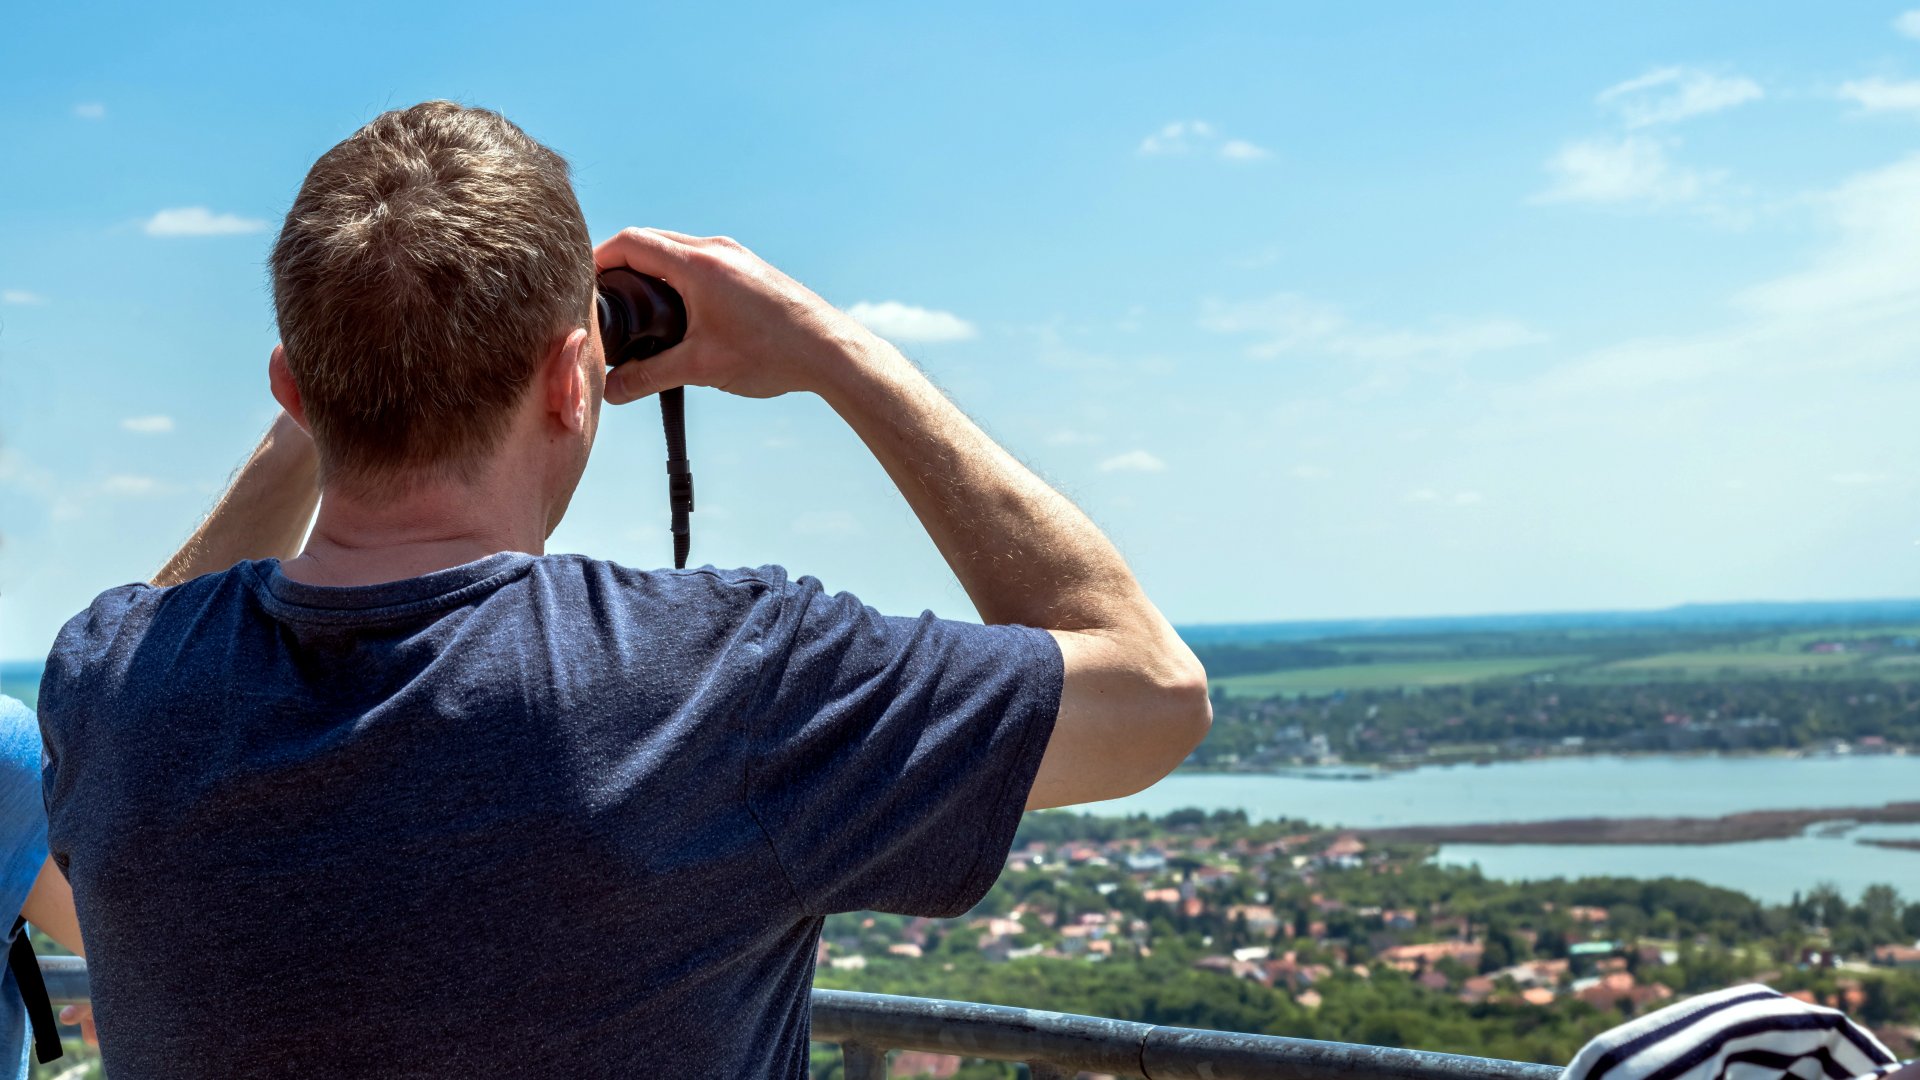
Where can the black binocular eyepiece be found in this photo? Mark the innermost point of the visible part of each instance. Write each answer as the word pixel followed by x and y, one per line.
pixel 641 316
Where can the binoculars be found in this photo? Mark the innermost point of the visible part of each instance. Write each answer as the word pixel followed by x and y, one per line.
pixel 641 316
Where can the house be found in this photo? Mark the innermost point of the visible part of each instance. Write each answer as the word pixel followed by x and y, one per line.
pixel 1215 875
pixel 1261 921
pixel 1147 862
pixel 1416 957
pixel 1227 965
pixel 1344 852
pixel 1650 994
pixel 1477 989
pixel 1604 992
pixel 1897 955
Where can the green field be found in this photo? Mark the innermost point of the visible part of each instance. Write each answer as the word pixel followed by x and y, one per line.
pixel 1326 680
pixel 1733 661
pixel 1575 655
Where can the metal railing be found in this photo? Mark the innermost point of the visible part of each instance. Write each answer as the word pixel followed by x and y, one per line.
pixel 1058 1046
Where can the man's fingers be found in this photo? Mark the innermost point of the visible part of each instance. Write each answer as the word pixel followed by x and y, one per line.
pixel 649 251
pixel 83 1016
pixel 636 379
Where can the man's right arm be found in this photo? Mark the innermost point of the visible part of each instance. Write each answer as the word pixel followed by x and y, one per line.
pixel 1134 700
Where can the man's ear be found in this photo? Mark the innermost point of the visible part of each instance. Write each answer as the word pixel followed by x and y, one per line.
pixel 564 381
pixel 285 391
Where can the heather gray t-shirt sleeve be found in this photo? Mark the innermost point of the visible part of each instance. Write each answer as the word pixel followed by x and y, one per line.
pixel 890 758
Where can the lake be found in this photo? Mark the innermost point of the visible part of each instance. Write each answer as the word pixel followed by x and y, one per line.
pixel 1681 786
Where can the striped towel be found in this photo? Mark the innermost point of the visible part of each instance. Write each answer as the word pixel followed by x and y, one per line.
pixel 1741 1033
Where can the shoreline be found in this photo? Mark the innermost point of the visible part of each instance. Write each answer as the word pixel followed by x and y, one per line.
pixel 1728 829
pixel 1377 769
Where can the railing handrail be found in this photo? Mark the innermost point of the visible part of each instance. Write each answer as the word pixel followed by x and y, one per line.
pixel 884 1022
pixel 1056 1044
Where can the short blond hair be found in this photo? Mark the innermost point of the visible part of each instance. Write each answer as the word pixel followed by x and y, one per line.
pixel 426 266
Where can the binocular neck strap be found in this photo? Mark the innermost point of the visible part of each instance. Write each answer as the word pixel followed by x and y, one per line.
pixel 673 416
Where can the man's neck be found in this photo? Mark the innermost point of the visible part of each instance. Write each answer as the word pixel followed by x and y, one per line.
pixel 365 538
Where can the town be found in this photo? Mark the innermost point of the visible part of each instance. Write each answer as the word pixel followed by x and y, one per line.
pixel 1288 929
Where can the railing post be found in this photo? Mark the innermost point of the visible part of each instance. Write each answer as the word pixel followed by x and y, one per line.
pixel 863 1061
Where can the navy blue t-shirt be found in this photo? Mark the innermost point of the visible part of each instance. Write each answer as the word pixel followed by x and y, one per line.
pixel 528 816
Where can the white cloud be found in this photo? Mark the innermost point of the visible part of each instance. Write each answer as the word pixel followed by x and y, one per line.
pixel 129 484
pixel 147 425
pixel 1200 137
pixel 1133 461
pixel 1628 169
pixel 1852 309
pixel 1288 322
pixel 90 110
pixel 199 221
pixel 1178 137
pixel 22 297
pixel 1671 94
pixel 1907 24
pixel 896 321
pixel 1883 95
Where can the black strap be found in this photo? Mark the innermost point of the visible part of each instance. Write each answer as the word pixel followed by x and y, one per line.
pixel 33 990
pixel 673 416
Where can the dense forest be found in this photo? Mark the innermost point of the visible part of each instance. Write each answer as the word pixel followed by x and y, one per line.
pixel 1520 716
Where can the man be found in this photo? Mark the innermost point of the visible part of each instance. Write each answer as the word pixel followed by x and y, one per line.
pixel 425 801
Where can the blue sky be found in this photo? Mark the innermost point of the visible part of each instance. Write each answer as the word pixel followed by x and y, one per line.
pixel 1329 310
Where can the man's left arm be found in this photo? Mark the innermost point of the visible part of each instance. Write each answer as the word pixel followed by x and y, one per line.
pixel 264 512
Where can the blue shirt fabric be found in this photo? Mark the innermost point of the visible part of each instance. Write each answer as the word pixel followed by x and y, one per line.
pixel 527 816
pixel 23 850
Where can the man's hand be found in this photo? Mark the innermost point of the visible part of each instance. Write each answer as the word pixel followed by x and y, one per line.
pixel 751 330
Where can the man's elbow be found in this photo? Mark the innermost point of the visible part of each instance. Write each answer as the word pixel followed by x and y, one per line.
pixel 1189 708
pixel 1177 717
